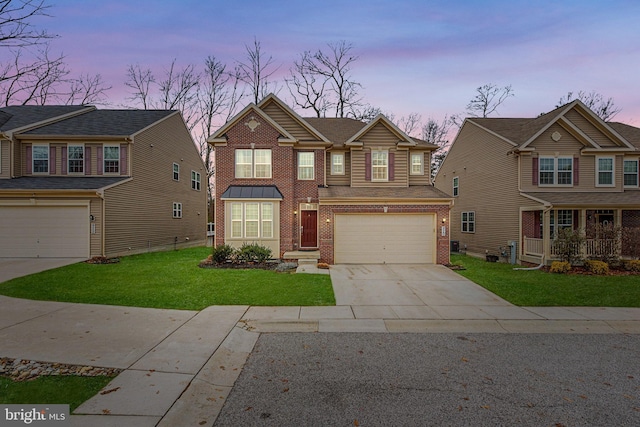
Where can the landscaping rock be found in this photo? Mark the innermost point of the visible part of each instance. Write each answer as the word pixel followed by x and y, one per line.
pixel 23 370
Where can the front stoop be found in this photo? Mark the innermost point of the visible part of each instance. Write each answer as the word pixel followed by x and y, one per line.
pixel 303 257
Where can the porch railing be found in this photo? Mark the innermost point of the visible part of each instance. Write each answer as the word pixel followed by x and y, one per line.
pixel 533 246
pixel 590 248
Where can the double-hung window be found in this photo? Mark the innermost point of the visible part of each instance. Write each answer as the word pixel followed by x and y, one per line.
pixel 631 173
pixel 111 159
pixel 468 222
pixel 252 220
pixel 306 165
pixel 40 155
pixel 195 180
pixel 253 163
pixel 176 172
pixel 417 164
pixel 75 158
pixel 337 163
pixel 379 165
pixel 555 171
pixel 456 186
pixel 177 210
pixel 604 172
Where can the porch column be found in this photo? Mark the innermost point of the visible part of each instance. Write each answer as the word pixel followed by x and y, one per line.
pixel 583 230
pixel 546 231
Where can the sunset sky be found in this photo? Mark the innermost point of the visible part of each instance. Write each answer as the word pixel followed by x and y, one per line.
pixel 414 56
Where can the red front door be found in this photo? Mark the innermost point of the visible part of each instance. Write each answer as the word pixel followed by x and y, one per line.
pixel 309 234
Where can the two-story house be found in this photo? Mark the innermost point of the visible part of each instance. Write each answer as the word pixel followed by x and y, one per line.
pixel 80 182
pixel 522 179
pixel 348 191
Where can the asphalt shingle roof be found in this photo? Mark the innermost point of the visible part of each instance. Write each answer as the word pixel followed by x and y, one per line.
pixel 58 183
pixel 17 116
pixel 337 130
pixel 593 199
pixel 413 192
pixel 103 123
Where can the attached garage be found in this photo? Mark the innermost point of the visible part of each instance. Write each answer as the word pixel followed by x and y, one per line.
pixel 44 231
pixel 384 238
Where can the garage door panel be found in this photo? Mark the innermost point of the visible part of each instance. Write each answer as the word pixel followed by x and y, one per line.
pixel 388 238
pixel 44 231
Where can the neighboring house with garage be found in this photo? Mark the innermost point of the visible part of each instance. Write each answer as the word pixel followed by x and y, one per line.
pixel 522 179
pixel 80 182
pixel 337 189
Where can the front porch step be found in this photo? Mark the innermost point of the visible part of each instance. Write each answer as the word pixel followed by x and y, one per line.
pixel 303 257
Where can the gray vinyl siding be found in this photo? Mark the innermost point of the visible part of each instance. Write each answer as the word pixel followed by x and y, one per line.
pixel 5 161
pixel 379 137
pixel 589 129
pixel 487 186
pixel 138 213
pixel 424 179
pixel 288 123
pixel 95 240
pixel 339 179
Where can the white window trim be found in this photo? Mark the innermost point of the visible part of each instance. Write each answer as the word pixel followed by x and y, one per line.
pixel 386 167
pixel 195 180
pixel 104 159
pixel 555 171
pixel 33 159
pixel 69 159
pixel 174 171
pixel 456 186
pixel 613 171
pixel 637 162
pixel 312 166
pixel 341 164
pixel 467 222
pixel 177 210
pixel 421 156
pixel 253 163
pixel 260 220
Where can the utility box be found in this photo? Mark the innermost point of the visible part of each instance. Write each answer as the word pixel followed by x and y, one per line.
pixel 455 246
pixel 513 252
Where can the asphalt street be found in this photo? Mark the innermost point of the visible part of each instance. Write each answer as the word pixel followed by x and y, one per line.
pixel 372 379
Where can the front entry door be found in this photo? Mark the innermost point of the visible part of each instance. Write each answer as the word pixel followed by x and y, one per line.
pixel 309 233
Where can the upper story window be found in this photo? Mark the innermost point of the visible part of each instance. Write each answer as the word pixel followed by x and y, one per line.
pixel 456 186
pixel 253 163
pixel 75 158
pixel 306 165
pixel 468 220
pixel 631 173
pixel 195 180
pixel 337 163
pixel 604 172
pixel 40 156
pixel 556 171
pixel 111 158
pixel 176 172
pixel 379 165
pixel 417 164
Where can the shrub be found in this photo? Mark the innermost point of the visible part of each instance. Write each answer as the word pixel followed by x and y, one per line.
pixel 607 240
pixel 630 239
pixel 597 267
pixel 633 265
pixel 222 253
pixel 253 253
pixel 561 267
pixel 568 244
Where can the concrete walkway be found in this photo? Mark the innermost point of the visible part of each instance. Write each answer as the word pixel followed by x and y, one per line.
pixel 179 366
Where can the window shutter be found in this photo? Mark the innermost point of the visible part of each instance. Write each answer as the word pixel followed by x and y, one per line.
pixel 367 166
pixel 392 163
pixel 99 153
pixel 576 171
pixel 87 160
pixel 534 174
pixel 29 159
pixel 52 160
pixel 123 159
pixel 63 163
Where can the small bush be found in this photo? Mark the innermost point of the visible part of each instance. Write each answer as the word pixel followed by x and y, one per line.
pixel 253 253
pixel 561 267
pixel 597 267
pixel 222 253
pixel 633 265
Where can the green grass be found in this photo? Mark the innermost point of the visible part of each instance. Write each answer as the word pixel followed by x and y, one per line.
pixel 537 288
pixel 71 390
pixel 171 280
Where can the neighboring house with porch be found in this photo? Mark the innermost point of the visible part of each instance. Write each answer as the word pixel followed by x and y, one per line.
pixel 522 179
pixel 334 189
pixel 80 182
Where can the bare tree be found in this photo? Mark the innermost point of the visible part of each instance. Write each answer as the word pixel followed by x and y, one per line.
pixel 489 97
pixel 256 71
pixel 140 82
pixel 603 108
pixel 16 26
pixel 437 133
pixel 409 124
pixel 179 91
pixel 86 89
pixel 307 88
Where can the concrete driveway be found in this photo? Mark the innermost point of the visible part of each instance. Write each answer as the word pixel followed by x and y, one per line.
pixel 10 268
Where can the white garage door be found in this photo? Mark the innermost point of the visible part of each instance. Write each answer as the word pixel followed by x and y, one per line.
pixel 384 238
pixel 44 231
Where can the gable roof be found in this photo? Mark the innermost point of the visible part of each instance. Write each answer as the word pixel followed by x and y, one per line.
pixel 15 117
pixel 219 135
pixel 337 130
pixel 271 98
pixel 102 123
pixel 402 137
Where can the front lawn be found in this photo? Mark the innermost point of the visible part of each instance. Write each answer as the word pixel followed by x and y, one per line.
pixel 537 288
pixel 171 280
